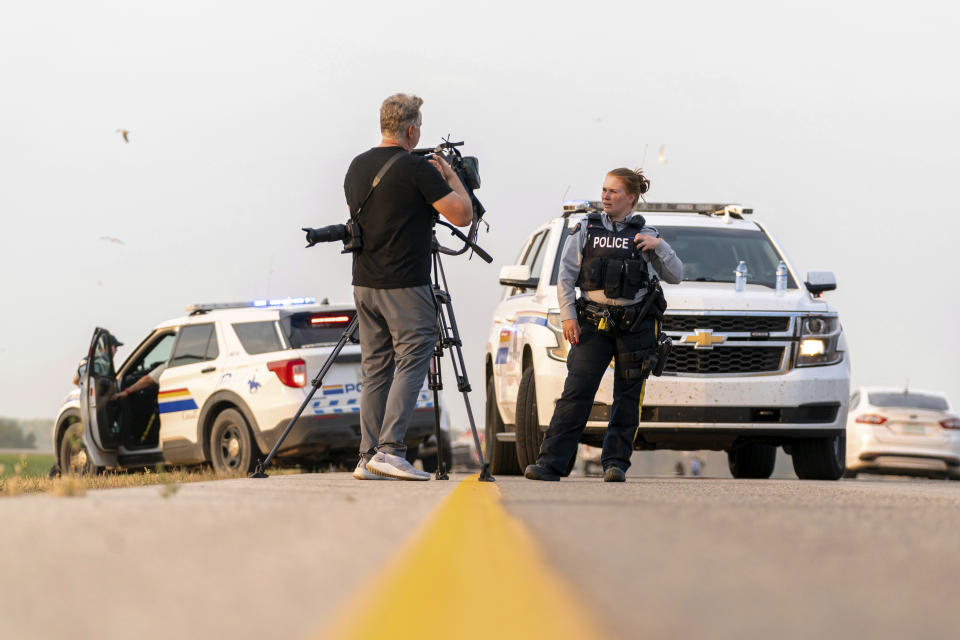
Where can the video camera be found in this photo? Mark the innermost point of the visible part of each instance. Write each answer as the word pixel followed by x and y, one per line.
pixel 467 169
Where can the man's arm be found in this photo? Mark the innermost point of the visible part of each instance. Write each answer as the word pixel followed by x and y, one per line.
pixel 456 206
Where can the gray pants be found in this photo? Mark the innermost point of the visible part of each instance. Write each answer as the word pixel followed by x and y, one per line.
pixel 398 329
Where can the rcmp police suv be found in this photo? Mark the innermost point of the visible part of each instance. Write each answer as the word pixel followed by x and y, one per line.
pixel 752 368
pixel 236 374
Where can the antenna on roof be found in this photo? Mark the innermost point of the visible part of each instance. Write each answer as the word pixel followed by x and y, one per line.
pixel 564 198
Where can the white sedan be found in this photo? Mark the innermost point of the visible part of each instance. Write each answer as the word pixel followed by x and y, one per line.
pixel 906 432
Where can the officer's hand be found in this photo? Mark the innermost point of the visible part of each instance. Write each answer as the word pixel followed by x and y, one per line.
pixel 571 331
pixel 310 240
pixel 645 242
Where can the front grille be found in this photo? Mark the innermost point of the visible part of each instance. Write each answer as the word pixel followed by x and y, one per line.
pixel 726 324
pixel 724 360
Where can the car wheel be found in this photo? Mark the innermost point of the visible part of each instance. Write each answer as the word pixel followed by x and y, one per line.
pixel 429 462
pixel 752 461
pixel 72 457
pixel 501 456
pixel 231 445
pixel 412 453
pixel 820 458
pixel 529 435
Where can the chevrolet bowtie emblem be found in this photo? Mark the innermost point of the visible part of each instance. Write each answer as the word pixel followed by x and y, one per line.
pixel 702 339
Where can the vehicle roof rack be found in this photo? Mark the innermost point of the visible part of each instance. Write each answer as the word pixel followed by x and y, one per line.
pixel 198 309
pixel 737 211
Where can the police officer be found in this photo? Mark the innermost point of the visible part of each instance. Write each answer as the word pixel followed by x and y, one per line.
pixel 607 258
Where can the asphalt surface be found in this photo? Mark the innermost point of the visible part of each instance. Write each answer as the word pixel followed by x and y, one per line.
pixel 723 558
pixel 656 557
pixel 228 559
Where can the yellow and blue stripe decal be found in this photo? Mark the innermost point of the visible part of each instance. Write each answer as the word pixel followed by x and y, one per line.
pixel 504 346
pixel 173 400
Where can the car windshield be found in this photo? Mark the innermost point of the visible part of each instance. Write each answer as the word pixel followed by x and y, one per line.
pixel 908 401
pixel 712 255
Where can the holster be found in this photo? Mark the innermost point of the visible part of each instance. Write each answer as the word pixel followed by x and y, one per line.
pixel 656 361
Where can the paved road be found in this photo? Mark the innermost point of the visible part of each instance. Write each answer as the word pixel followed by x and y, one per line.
pixel 230 559
pixel 656 557
pixel 720 558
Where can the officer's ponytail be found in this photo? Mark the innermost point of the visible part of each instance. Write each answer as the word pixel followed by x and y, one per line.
pixel 634 182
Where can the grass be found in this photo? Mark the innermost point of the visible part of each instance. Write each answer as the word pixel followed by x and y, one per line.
pixel 169 480
pixel 26 465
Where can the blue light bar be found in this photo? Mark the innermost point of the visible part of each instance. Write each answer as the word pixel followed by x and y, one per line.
pixel 258 304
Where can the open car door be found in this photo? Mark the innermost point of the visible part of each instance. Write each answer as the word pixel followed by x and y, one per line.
pixel 97 385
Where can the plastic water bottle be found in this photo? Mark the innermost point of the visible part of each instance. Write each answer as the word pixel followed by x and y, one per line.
pixel 781 277
pixel 741 273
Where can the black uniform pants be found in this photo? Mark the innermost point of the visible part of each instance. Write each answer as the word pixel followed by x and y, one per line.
pixel 586 363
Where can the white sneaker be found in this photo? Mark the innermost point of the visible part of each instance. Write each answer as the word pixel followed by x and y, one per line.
pixel 397 467
pixel 361 473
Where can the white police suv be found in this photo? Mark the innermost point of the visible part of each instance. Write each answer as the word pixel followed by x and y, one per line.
pixel 751 369
pixel 236 374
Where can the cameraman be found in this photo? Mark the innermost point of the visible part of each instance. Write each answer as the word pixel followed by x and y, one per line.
pixel 391 279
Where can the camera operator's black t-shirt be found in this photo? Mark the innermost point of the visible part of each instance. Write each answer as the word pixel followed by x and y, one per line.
pixel 397 220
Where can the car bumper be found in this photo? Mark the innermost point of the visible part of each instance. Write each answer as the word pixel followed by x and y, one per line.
pixel 802 402
pixel 319 434
pixel 868 453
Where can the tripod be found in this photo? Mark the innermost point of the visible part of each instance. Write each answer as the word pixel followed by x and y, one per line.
pixel 448 338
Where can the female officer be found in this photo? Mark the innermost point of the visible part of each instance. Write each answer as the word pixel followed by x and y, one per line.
pixel 607 259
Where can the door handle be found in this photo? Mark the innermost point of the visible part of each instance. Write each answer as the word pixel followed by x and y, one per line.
pixel 208 370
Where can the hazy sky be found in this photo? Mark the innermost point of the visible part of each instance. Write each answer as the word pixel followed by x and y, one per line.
pixel 836 121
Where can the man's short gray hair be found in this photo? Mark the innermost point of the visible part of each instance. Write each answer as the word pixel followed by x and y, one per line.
pixel 398 112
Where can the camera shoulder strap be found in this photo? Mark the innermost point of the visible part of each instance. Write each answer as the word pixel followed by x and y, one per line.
pixel 376 180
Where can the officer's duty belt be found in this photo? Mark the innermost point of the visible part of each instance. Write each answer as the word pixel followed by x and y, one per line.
pixel 610 317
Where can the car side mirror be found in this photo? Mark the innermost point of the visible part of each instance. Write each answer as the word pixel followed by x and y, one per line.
pixel 819 281
pixel 518 275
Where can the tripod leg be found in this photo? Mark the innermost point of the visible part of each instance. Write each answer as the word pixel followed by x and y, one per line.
pixel 317 381
pixel 441 463
pixel 450 338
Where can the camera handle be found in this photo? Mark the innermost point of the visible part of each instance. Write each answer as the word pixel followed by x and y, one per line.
pixel 468 240
pixel 347 336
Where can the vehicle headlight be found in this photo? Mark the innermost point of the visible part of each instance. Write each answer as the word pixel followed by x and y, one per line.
pixel 819 340
pixel 562 348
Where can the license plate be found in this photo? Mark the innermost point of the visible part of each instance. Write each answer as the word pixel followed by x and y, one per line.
pixel 914 428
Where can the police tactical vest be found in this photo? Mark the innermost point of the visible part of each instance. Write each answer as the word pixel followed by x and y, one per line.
pixel 610 259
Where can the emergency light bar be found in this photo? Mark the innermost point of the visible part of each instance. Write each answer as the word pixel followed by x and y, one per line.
pixel 708 209
pixel 196 309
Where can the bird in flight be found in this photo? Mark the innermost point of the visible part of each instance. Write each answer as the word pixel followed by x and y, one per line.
pixel 125 134
pixel 113 240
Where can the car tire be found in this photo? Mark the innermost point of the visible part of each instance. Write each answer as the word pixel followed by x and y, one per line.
pixel 529 435
pixel 72 456
pixel 820 458
pixel 430 462
pixel 232 449
pixel 501 456
pixel 412 453
pixel 752 461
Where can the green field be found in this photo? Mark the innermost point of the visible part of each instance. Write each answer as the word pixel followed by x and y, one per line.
pixel 30 465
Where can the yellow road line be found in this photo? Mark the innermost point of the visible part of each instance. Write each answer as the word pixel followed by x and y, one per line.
pixel 472 572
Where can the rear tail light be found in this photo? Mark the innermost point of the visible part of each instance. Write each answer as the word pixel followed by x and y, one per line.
pixel 330 320
pixel 871 418
pixel 950 423
pixel 292 373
